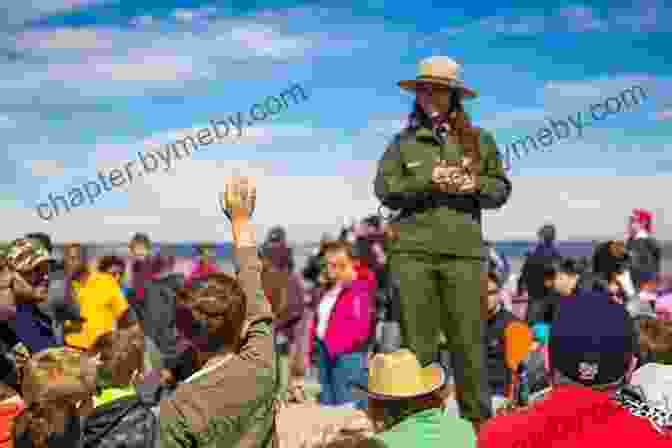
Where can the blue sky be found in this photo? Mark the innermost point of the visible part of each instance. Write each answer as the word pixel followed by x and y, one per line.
pixel 87 84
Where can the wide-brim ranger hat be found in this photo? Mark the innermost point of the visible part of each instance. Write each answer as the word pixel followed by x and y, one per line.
pixel 441 71
pixel 398 376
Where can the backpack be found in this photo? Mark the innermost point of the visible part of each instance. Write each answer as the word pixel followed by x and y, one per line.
pixel 123 423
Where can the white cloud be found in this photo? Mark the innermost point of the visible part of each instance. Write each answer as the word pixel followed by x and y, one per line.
pixel 650 16
pixel 142 20
pixel 183 205
pixel 132 61
pixel 189 15
pixel 582 18
pixel 45 168
pixel 67 38
pixel 590 206
pixel 184 15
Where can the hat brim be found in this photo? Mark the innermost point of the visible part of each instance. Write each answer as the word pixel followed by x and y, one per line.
pixel 39 260
pixel 434 378
pixel 412 84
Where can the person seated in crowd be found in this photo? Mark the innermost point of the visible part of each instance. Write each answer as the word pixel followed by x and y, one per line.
pixel 29 265
pixel 592 354
pixel 204 263
pixel 145 266
pixel 509 340
pixel 101 302
pixel 229 400
pixel 343 325
pixel 58 388
pixel 655 341
pixel 122 417
pixel 406 404
pixel 654 376
pixel 564 278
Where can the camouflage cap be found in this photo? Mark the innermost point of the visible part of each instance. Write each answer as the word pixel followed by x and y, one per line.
pixel 24 254
pixel 59 373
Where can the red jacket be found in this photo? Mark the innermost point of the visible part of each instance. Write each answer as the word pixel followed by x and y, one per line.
pixel 572 417
pixel 351 320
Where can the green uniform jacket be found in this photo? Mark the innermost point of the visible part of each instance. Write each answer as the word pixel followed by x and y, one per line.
pixel 404 180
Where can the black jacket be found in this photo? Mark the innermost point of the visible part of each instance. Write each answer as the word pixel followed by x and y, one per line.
pixel 532 273
pixel 124 423
pixel 157 313
pixel 646 257
pixel 70 438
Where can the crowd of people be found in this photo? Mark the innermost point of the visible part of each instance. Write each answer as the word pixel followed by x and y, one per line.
pixel 415 329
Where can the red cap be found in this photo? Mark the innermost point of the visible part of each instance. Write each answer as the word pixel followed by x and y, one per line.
pixel 643 217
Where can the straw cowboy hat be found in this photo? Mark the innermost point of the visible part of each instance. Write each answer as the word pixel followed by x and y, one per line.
pixel 398 375
pixel 439 70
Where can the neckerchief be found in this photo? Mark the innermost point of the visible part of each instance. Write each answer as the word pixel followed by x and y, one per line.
pixel 634 401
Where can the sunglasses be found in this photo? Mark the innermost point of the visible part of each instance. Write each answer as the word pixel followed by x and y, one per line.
pixel 39 274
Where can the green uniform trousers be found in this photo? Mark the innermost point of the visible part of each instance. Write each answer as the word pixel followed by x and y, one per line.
pixel 442 294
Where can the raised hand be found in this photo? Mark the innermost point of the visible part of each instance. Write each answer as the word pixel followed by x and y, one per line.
pixel 239 198
pixel 237 202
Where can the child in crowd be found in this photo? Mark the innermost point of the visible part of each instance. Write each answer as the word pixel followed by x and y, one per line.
pixel 58 386
pixel 122 418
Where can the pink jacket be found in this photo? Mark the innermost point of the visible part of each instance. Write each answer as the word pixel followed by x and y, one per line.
pixel 351 320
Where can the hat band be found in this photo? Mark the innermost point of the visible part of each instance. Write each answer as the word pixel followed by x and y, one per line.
pixel 452 82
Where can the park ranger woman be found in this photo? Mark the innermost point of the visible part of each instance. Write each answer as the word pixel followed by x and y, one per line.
pixel 439 173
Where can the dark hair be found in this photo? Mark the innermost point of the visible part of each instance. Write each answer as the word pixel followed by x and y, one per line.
pixel 566 265
pixel 493 275
pixel 43 238
pixel 373 221
pixel 655 338
pixel 547 233
pixel 122 352
pixel 141 238
pixel 220 303
pixel 467 135
pixel 108 262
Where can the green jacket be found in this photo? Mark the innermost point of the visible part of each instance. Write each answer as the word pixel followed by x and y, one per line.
pixel 426 429
pixel 404 180
pixel 231 401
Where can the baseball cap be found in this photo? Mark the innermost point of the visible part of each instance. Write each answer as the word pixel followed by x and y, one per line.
pixel 24 254
pixel 590 338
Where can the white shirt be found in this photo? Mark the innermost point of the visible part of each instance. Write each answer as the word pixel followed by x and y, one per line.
pixel 325 308
pixel 641 234
pixel 656 383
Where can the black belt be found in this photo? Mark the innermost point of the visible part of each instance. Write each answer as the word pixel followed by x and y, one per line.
pixel 465 203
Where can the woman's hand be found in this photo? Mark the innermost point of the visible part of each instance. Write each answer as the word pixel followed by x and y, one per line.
pixel 469 185
pixel 446 178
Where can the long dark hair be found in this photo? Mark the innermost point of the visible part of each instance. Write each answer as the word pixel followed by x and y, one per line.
pixel 460 127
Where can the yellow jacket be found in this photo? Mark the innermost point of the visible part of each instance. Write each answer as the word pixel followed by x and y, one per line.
pixel 101 303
